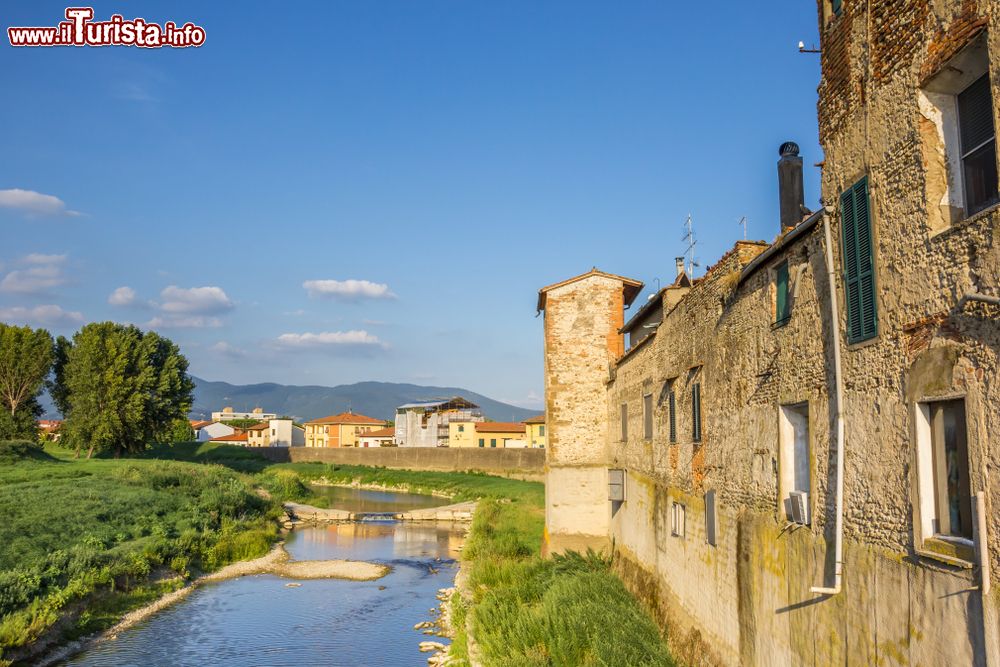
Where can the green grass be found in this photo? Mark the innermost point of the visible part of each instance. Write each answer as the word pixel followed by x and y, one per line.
pixel 99 533
pixel 566 611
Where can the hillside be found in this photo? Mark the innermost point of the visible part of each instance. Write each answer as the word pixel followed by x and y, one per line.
pixel 376 399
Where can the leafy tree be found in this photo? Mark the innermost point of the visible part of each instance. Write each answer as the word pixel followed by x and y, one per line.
pixel 123 388
pixel 25 360
pixel 179 431
pixel 57 385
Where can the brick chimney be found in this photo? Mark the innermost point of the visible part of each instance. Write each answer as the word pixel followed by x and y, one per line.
pixel 790 193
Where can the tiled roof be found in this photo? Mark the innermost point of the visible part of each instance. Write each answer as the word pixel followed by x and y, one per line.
pixel 235 437
pixel 499 427
pixel 387 432
pixel 630 286
pixel 538 419
pixel 196 424
pixel 259 426
pixel 348 418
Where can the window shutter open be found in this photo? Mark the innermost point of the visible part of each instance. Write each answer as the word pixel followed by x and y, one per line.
pixel 696 412
pixel 673 416
pixel 781 302
pixel 975 113
pixel 859 264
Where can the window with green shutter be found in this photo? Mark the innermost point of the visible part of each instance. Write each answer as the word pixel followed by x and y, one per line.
pixel 782 304
pixel 482 442
pixel 859 264
pixel 672 400
pixel 836 6
pixel 696 412
pixel 493 442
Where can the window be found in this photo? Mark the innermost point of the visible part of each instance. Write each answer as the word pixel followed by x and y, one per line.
pixel 793 462
pixel 696 412
pixel 978 140
pixel 482 442
pixel 616 485
pixel 647 416
pixel 678 519
pixel 624 422
pixel 836 6
pixel 672 413
pixel 461 428
pixel 541 431
pixel 859 264
pixel 274 432
pixel 493 442
pixel 782 302
pixel 943 470
pixel 711 519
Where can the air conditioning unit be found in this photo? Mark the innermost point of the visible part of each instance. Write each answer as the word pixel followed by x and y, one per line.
pixel 798 506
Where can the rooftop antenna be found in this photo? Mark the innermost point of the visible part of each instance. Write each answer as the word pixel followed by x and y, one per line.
pixel 692 242
pixel 812 49
pixel 653 295
pixel 743 221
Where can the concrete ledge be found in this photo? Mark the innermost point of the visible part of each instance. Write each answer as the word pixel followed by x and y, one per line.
pixel 310 514
pixel 515 463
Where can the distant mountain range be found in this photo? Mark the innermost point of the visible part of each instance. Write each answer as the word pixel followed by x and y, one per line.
pixel 375 399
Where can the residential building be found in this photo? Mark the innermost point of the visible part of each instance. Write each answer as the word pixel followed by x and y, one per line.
pixel 49 429
pixel 534 433
pixel 795 455
pixel 462 434
pixel 427 424
pixel 382 437
pixel 275 433
pixel 500 434
pixel 209 431
pixel 340 430
pixel 228 414
pixel 240 438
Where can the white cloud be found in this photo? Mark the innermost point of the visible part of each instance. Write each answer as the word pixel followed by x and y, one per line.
pixel 195 300
pixel 50 315
pixel 184 322
pixel 123 296
pixel 224 349
pixel 42 273
pixel 329 339
pixel 34 203
pixel 348 290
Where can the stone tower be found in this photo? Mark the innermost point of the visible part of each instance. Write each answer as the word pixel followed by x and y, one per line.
pixel 583 339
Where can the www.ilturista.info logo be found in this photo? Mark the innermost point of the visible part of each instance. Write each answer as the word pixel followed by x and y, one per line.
pixel 80 30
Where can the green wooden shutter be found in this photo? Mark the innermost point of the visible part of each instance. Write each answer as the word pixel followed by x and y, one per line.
pixel 859 264
pixel 673 416
pixel 696 412
pixel 836 6
pixel 782 312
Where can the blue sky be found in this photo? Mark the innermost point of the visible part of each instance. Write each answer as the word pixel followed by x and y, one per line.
pixel 449 157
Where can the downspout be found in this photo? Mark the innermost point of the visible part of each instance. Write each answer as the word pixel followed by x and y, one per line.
pixel 838 416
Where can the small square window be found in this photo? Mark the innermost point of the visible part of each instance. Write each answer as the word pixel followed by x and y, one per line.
pixel 678 520
pixel 461 428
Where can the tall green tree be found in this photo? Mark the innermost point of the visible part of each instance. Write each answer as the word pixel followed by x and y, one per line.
pixel 25 360
pixel 123 388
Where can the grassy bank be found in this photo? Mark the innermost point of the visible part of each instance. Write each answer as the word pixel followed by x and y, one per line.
pixel 87 540
pixel 567 610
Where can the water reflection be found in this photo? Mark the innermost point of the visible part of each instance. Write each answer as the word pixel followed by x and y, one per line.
pixel 261 621
pixel 365 500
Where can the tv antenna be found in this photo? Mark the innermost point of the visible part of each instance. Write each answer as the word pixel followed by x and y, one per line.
pixel 692 242
pixel 743 221
pixel 812 49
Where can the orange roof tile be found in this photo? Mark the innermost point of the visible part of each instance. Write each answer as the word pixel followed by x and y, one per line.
pixel 499 427
pixel 348 418
pixel 259 426
pixel 235 437
pixel 387 432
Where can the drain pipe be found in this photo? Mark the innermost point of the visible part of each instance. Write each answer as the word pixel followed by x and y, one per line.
pixel 838 416
pixel 976 296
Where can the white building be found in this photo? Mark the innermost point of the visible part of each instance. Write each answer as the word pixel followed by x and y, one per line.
pixel 228 414
pixel 426 424
pixel 276 433
pixel 383 437
pixel 211 430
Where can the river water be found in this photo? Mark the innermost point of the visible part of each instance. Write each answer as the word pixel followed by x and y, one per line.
pixel 258 620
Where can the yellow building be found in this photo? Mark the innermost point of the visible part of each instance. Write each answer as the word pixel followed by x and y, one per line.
pixel 535 431
pixel 340 430
pixel 500 434
pixel 462 434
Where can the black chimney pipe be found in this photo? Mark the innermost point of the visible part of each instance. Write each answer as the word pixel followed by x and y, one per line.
pixel 790 192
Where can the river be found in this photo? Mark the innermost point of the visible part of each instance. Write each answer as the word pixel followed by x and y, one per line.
pixel 260 620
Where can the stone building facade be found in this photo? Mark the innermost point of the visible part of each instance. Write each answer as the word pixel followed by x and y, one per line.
pixel 758 532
